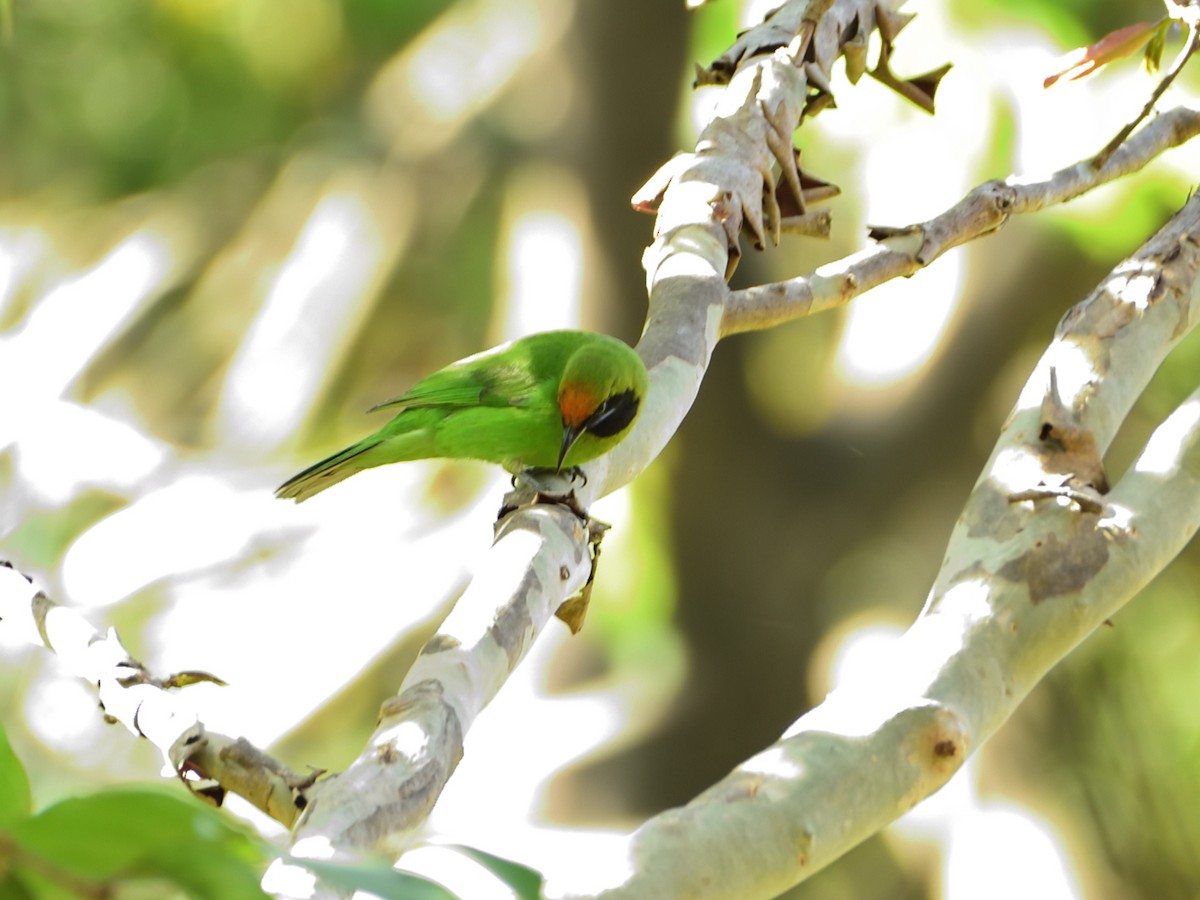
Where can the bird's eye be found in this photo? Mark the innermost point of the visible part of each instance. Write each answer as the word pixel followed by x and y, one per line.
pixel 613 415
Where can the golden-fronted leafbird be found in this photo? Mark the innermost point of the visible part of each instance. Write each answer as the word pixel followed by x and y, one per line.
pixel 551 400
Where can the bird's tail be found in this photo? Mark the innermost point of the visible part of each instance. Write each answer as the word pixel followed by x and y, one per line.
pixel 329 471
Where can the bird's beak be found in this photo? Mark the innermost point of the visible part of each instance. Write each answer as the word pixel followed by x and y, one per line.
pixel 571 434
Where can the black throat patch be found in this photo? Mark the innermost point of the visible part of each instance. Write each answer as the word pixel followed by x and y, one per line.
pixel 613 415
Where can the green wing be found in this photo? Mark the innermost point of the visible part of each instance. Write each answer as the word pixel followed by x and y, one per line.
pixel 485 381
pixel 522 373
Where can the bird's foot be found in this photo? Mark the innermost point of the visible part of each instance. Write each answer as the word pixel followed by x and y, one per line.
pixel 543 475
pixel 533 486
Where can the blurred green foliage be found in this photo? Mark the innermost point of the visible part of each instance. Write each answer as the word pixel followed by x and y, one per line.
pixel 127 95
pixel 139 842
pixel 1073 23
pixel 118 840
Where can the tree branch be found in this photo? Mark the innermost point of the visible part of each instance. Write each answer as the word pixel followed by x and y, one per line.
pixel 210 764
pixel 539 559
pixel 1189 49
pixel 903 251
pixel 1022 584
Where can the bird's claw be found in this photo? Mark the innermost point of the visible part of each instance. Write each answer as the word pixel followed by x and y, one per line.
pixel 564 498
pixel 530 487
pixel 539 475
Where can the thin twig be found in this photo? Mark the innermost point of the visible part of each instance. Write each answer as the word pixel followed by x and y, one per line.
pixel 1193 43
pixel 900 252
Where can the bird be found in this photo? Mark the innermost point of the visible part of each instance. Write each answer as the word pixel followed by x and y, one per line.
pixel 550 400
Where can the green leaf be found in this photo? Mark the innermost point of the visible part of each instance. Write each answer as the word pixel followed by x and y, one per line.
pixel 14 785
pixel 134 833
pixel 374 878
pixel 1154 47
pixel 26 884
pixel 525 881
pixel 12 888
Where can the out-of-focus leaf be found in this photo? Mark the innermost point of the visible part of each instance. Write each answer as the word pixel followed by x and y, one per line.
pixel 12 888
pixel 525 881
pixel 1119 44
pixel 14 785
pixel 191 676
pixel 42 536
pixel 139 833
pixel 1154 48
pixel 374 878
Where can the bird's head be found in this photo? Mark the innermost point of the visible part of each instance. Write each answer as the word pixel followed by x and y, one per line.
pixel 599 397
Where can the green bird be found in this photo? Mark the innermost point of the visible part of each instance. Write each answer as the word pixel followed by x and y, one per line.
pixel 555 399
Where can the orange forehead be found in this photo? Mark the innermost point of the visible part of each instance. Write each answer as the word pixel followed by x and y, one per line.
pixel 576 403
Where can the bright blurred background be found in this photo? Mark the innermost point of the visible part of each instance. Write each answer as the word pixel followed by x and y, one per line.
pixel 228 228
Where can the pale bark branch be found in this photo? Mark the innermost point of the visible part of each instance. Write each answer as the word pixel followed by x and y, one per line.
pixel 538 560
pixel 1023 582
pixel 901 252
pixel 149 707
